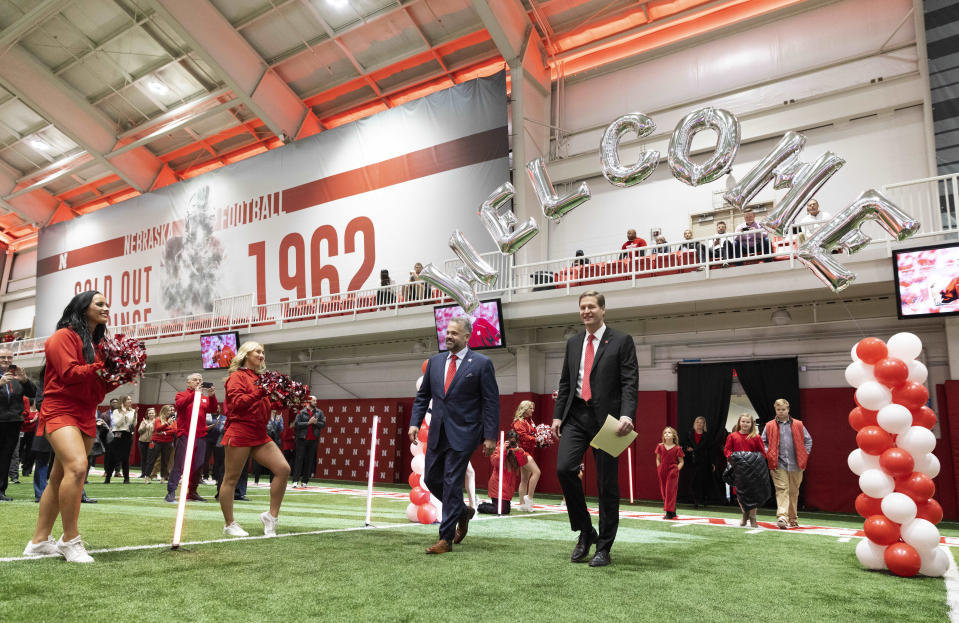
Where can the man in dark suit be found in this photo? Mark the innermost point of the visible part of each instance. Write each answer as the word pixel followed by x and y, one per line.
pixel 462 386
pixel 600 377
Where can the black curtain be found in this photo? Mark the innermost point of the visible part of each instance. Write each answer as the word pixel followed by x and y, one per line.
pixel 767 380
pixel 704 390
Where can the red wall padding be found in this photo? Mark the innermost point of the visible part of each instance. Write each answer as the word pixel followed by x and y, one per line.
pixel 344 446
pixel 828 483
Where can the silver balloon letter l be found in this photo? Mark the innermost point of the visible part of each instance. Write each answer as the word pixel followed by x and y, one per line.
pixel 554 206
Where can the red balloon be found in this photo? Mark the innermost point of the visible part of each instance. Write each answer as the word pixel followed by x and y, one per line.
pixel 916 485
pixel 911 394
pixel 891 371
pixel 424 434
pixel 881 530
pixel 425 361
pixel 873 440
pixel 414 480
pixel 902 559
pixel 871 350
pixel 924 416
pixel 930 511
pixel 860 417
pixel 426 514
pixel 896 462
pixel 867 506
pixel 418 496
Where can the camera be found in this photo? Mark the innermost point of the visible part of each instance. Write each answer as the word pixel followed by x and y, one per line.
pixel 206 384
pixel 12 368
pixel 511 443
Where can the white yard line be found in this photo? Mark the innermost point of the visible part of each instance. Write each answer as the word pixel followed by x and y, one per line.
pixel 952 589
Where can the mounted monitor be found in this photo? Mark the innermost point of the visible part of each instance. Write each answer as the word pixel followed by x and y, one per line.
pixel 218 349
pixel 927 280
pixel 487 319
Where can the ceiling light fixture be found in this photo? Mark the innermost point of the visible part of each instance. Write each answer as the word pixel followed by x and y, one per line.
pixel 157 87
pixel 39 144
pixel 781 317
pixel 338 4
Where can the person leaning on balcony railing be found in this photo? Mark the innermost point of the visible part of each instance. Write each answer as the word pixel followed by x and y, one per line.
pixel 721 247
pixel 416 289
pixel 385 295
pixel 580 258
pixel 691 245
pixel 752 239
pixel 632 242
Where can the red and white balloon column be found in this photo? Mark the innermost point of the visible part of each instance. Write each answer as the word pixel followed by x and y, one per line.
pixel 423 506
pixel 894 460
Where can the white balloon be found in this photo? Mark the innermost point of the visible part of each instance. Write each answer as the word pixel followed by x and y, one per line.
pixel 411 512
pixel 871 556
pixel 899 507
pixel 418 463
pixel 419 382
pixel 917 372
pixel 917 441
pixel 905 346
pixel 921 534
pixel 858 373
pixel 928 464
pixel 894 418
pixel 873 396
pixel 934 563
pixel 876 483
pixel 438 504
pixel 852 352
pixel 416 449
pixel 429 416
pixel 859 461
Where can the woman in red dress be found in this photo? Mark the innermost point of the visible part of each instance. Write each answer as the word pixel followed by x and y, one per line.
pixel 750 483
pixel 72 389
pixel 669 460
pixel 247 412
pixel 526 436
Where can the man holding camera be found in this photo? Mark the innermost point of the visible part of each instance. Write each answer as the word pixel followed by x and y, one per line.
pixel 184 414
pixel 14 385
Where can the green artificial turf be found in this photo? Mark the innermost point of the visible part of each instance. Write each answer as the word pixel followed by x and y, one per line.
pixel 516 568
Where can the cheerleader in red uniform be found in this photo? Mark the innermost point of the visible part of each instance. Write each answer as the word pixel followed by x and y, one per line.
pixel 526 435
pixel 72 389
pixel 247 412
pixel 669 460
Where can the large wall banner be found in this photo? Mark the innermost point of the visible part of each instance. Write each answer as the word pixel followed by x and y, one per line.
pixel 322 215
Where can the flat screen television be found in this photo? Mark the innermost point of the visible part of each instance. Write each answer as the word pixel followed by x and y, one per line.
pixel 927 280
pixel 487 324
pixel 218 349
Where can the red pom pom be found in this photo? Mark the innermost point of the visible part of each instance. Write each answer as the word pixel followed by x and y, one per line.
pixel 283 390
pixel 124 359
pixel 871 349
pixel 544 436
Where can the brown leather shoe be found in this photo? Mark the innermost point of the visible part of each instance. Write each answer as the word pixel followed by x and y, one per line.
pixel 463 525
pixel 440 547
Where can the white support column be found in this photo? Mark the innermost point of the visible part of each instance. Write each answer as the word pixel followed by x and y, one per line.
pixel 523 376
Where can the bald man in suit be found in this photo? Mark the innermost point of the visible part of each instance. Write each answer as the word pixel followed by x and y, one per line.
pixel 462 386
pixel 600 377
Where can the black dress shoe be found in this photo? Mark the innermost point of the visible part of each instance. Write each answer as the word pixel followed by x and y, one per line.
pixel 86 500
pixel 601 559
pixel 5 498
pixel 586 540
pixel 242 498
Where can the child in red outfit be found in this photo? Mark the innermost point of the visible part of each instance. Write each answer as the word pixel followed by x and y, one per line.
pixel 669 460
pixel 513 461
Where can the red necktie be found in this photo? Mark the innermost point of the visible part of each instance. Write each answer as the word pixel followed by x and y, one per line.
pixel 451 372
pixel 587 392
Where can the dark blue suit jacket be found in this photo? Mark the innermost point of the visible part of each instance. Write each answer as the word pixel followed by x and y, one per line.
pixel 469 412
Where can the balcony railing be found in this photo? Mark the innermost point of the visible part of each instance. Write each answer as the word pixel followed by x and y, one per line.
pixel 933 201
